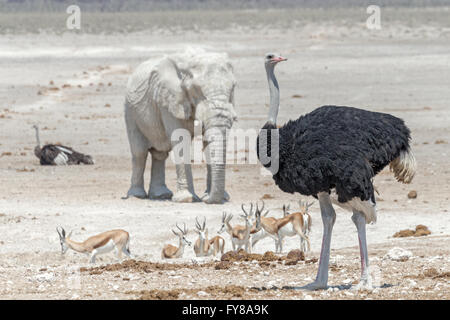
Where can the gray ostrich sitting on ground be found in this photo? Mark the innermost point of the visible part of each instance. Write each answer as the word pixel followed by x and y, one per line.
pixel 332 154
pixel 55 154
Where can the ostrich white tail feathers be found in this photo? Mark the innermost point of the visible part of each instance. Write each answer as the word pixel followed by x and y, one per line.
pixel 404 166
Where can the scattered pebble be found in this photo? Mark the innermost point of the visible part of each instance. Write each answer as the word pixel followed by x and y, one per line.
pixel 412 194
pixel 398 254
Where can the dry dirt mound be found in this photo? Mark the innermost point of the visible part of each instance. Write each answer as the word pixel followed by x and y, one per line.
pixel 227 292
pixel 268 256
pixel 141 266
pixel 421 230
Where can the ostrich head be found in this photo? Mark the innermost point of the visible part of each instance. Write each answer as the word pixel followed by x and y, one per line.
pixel 273 58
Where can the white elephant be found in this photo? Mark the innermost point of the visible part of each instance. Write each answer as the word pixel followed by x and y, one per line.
pixel 170 94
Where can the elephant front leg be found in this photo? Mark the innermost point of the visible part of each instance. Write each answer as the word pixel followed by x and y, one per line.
pixel 185 187
pixel 137 177
pixel 206 195
pixel 158 189
pixel 139 152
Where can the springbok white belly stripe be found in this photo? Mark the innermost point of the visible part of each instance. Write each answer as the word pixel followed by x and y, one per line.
pixel 109 246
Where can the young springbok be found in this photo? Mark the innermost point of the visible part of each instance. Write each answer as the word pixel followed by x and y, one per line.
pixel 169 251
pixel 258 233
pixel 204 247
pixel 297 223
pixel 117 240
pixel 240 235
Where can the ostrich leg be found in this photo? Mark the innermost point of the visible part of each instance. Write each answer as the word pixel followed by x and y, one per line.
pixel 328 219
pixel 359 219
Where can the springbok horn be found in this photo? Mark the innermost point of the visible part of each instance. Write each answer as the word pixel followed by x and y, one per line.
pixel 204 223
pixel 179 227
pixel 263 204
pixel 242 207
pixel 197 225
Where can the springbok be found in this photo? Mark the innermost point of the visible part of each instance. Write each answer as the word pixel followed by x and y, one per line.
pixel 204 247
pixel 258 233
pixel 297 223
pixel 169 251
pixel 240 235
pixel 117 240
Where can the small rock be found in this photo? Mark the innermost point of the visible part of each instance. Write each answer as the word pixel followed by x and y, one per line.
pixel 398 254
pixel 44 277
pixel 412 283
pixel 412 194
pixel 202 294
pixel 307 297
pixel 347 281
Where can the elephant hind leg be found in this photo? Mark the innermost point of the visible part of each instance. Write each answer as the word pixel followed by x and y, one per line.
pixel 139 150
pixel 158 188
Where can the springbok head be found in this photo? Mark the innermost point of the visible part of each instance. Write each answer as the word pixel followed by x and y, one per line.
pixel 201 228
pixel 286 209
pixel 182 234
pixel 247 215
pixel 259 213
pixel 304 206
pixel 226 218
pixel 62 239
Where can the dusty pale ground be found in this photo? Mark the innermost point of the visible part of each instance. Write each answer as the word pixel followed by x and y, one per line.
pixel 402 69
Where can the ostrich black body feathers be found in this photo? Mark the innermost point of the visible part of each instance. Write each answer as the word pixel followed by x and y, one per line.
pixel 51 154
pixel 337 147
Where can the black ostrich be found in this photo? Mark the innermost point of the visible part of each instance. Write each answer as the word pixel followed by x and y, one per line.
pixel 332 154
pixel 55 154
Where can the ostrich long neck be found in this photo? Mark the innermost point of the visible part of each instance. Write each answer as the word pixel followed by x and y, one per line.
pixel 274 94
pixel 37 149
pixel 38 141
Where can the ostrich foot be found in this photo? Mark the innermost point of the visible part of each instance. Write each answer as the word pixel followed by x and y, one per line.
pixel 208 199
pixel 138 192
pixel 185 196
pixel 364 284
pixel 160 193
pixel 314 286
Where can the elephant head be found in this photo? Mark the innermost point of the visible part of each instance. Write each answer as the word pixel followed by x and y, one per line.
pixel 200 86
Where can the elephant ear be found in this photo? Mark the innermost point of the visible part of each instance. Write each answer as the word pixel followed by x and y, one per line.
pixel 176 86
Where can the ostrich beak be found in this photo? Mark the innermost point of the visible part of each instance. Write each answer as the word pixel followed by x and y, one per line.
pixel 279 59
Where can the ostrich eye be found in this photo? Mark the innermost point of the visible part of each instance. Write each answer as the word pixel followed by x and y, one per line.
pixel 270 56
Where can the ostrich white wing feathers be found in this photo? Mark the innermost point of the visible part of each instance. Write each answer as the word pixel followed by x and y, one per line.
pixel 64 150
pixel 61 159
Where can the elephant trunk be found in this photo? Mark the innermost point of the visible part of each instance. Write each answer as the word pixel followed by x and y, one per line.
pixel 216 153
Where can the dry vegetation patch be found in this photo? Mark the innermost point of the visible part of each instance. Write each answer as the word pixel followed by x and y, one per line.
pixel 420 231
